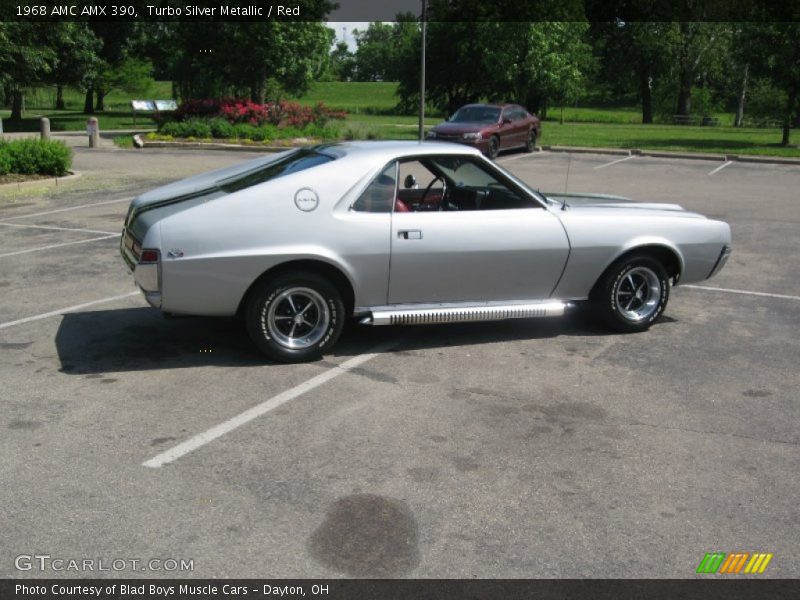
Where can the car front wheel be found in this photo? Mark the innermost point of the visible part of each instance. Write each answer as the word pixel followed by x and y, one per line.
pixel 633 293
pixel 493 148
pixel 295 317
pixel 530 144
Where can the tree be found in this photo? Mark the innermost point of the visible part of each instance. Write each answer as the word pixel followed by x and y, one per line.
pixel 546 63
pixel 698 43
pixel 542 62
pixel 633 57
pixel 375 54
pixel 281 57
pixel 774 54
pixel 343 63
pixel 76 49
pixel 118 39
pixel 25 60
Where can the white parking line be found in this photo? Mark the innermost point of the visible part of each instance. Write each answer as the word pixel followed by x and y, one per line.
pixel 722 166
pixel 613 162
pixel 54 228
pixel 504 159
pixel 68 208
pixel 217 431
pixel 68 309
pixel 745 292
pixel 51 246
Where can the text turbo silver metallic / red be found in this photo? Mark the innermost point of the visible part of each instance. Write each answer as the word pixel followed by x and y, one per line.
pixel 405 233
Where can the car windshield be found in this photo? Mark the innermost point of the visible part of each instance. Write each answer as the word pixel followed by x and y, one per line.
pixel 299 160
pixel 476 114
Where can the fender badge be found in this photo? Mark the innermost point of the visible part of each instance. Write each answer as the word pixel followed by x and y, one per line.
pixel 306 199
pixel 175 253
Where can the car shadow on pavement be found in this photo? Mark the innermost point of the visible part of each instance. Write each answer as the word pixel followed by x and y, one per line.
pixel 140 339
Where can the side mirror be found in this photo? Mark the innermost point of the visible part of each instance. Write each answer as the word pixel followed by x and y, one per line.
pixel 506 120
pixel 409 182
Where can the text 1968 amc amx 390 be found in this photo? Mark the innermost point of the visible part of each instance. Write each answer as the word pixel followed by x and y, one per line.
pixel 402 233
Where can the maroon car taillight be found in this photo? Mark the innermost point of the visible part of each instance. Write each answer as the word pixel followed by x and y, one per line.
pixel 149 256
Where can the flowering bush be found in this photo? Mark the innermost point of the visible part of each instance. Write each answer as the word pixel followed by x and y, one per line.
pixel 280 114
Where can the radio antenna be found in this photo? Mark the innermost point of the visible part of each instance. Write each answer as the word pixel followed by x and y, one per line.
pixel 566 181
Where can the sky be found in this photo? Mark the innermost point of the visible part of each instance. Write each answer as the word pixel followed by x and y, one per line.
pixel 348 34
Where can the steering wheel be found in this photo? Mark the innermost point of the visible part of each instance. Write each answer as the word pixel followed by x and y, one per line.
pixel 428 189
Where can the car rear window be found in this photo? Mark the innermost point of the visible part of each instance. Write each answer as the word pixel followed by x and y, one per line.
pixel 299 160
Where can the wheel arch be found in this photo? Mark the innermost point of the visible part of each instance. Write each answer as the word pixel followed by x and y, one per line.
pixel 665 253
pixel 329 271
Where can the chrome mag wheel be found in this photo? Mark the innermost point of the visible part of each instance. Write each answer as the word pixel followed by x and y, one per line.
pixel 638 294
pixel 298 318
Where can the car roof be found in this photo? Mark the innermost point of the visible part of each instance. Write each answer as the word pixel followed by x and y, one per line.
pixel 389 150
pixel 492 105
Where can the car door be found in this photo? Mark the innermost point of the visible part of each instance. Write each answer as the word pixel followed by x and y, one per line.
pixel 490 242
pixel 520 126
pixel 507 129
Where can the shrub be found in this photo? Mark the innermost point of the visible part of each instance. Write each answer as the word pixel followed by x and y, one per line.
pixel 220 128
pixel 197 128
pixel 35 157
pixel 5 160
pixel 236 111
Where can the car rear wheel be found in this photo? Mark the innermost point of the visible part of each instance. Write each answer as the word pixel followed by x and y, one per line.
pixel 493 148
pixel 633 293
pixel 530 144
pixel 295 317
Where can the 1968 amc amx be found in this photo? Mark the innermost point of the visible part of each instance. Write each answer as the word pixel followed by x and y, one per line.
pixel 403 233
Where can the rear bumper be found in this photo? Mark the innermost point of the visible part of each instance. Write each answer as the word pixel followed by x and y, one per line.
pixel 147 276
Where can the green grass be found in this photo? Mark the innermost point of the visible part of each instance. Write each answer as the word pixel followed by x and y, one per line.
pixel 353 96
pixel 44 98
pixel 69 120
pixel 123 141
pixel 678 138
pixel 370 106
pixel 621 115
pixel 39 102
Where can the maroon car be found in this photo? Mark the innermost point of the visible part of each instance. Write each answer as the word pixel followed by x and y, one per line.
pixel 490 128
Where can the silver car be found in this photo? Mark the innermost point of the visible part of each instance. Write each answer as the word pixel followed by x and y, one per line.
pixel 403 233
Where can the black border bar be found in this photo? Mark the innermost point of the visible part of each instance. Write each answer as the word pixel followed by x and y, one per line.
pixel 386 10
pixel 711 588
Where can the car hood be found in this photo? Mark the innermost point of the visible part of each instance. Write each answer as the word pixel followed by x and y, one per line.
pixel 459 128
pixel 609 202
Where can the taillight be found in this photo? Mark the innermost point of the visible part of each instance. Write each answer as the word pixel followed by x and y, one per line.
pixel 149 256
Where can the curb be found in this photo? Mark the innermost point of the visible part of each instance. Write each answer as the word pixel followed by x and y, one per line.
pixel 211 146
pixel 762 159
pixel 54 181
pixel 588 150
pixel 778 160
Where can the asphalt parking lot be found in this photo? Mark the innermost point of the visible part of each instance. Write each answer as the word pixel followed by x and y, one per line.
pixel 517 449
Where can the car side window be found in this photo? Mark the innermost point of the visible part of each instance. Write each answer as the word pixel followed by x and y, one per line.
pixel 378 197
pixel 455 183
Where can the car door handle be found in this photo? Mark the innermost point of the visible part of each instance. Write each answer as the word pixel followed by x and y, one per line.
pixel 409 234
